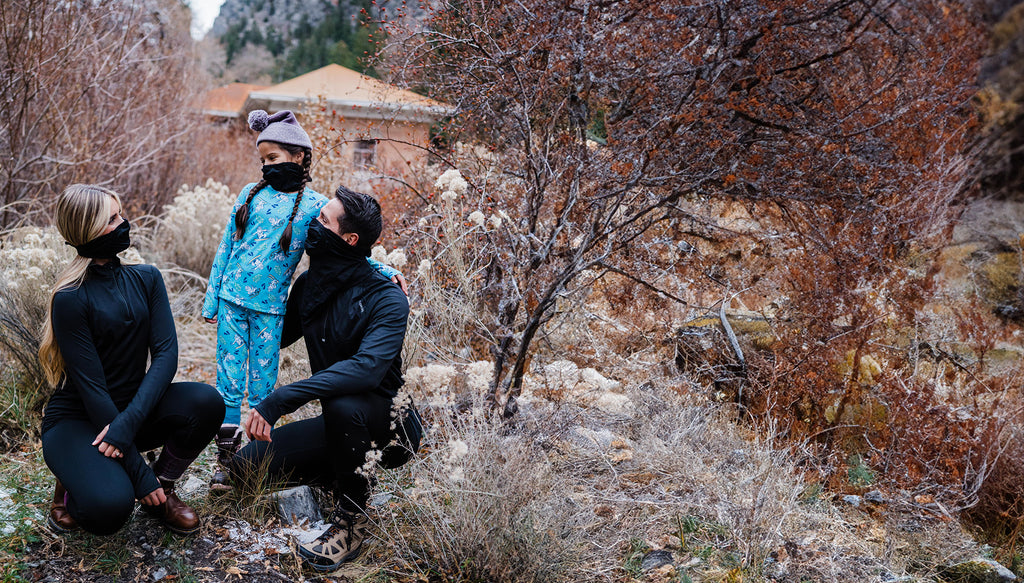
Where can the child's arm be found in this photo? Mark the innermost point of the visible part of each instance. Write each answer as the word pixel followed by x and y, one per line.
pixel 292 328
pixel 390 273
pixel 211 302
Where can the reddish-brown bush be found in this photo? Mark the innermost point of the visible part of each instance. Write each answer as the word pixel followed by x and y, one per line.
pixel 843 129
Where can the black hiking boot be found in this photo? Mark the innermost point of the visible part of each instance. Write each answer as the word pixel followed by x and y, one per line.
pixel 229 440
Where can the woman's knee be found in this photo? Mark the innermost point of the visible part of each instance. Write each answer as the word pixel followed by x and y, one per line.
pixel 102 513
pixel 205 402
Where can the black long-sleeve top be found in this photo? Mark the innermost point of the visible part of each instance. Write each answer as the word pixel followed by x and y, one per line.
pixel 354 338
pixel 105 329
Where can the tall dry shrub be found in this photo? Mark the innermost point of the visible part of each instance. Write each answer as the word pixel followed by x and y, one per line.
pixel 30 261
pixel 843 129
pixel 95 93
pixel 485 505
pixel 191 227
pixel 446 251
pixel 31 258
pixel 222 151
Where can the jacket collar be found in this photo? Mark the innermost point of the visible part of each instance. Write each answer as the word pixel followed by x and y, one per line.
pixel 107 269
pixel 328 276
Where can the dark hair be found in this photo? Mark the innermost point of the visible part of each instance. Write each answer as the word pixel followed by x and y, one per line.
pixel 362 216
pixel 242 215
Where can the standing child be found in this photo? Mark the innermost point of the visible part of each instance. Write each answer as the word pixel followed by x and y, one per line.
pixel 252 271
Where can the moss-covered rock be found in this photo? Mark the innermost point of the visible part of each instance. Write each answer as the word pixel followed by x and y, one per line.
pixel 978 571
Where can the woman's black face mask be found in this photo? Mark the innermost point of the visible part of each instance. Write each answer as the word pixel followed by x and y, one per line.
pixel 109 245
pixel 285 177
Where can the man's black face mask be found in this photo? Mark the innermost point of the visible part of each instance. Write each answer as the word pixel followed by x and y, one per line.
pixel 323 242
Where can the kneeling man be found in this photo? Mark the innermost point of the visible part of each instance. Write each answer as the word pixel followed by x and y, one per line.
pixel 353 321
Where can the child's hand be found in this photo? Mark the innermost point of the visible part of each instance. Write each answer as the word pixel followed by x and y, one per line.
pixel 398 279
pixel 213 320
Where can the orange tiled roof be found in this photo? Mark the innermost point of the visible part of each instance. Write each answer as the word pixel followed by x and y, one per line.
pixel 228 101
pixel 340 84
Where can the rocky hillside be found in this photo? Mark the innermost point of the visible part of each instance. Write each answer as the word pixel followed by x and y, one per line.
pixel 271 40
pixel 265 15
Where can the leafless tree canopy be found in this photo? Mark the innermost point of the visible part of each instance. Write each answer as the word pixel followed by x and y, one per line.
pixel 91 92
pixel 837 117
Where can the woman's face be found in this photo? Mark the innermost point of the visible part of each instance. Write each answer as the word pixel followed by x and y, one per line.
pixel 114 217
pixel 272 153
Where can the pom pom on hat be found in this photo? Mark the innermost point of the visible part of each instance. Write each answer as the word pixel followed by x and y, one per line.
pixel 258 120
pixel 282 127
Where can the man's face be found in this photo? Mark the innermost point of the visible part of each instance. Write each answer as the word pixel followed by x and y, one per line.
pixel 331 215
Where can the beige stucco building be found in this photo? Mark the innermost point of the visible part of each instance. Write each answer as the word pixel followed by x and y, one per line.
pixel 372 124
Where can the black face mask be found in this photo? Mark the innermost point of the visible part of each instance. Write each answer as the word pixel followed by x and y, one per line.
pixel 107 246
pixel 333 265
pixel 285 177
pixel 323 242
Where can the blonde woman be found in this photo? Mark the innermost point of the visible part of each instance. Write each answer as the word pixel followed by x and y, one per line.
pixel 105 320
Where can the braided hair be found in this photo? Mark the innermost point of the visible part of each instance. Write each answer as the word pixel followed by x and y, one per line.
pixel 242 215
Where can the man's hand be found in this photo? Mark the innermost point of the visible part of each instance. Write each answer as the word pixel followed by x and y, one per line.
pixel 256 427
pixel 105 448
pixel 155 498
pixel 398 279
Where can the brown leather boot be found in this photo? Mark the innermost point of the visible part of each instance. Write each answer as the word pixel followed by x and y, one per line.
pixel 177 516
pixel 59 519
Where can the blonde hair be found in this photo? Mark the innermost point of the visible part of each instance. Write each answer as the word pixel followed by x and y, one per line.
pixel 82 214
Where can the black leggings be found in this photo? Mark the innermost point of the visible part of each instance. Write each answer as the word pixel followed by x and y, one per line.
pixel 101 496
pixel 325 450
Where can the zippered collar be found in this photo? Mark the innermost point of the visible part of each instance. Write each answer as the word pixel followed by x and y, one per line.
pixel 107 269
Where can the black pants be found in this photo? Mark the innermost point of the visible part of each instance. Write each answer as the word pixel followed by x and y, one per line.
pixel 325 450
pixel 101 496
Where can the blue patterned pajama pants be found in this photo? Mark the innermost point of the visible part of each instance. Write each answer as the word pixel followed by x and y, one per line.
pixel 248 347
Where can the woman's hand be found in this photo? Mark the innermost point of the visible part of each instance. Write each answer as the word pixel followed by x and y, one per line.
pixel 256 427
pixel 105 448
pixel 213 320
pixel 155 498
pixel 398 279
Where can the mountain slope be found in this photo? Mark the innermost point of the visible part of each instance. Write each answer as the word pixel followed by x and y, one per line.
pixel 280 39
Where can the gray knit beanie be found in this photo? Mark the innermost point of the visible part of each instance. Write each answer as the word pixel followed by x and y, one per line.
pixel 282 127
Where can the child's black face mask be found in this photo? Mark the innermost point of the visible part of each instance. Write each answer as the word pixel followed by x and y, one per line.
pixel 284 177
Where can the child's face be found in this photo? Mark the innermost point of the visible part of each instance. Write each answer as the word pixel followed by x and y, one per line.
pixel 272 153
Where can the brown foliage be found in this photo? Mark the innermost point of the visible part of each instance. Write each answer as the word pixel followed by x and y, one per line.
pixel 843 128
pixel 92 92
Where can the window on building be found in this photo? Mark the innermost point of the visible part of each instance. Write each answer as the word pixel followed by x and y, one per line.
pixel 365 153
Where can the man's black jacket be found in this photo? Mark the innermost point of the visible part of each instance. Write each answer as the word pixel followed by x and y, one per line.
pixel 354 323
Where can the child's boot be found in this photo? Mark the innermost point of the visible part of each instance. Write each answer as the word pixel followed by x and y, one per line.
pixel 229 440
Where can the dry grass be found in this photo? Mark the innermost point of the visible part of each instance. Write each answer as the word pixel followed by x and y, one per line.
pixel 571 491
pixel 484 503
